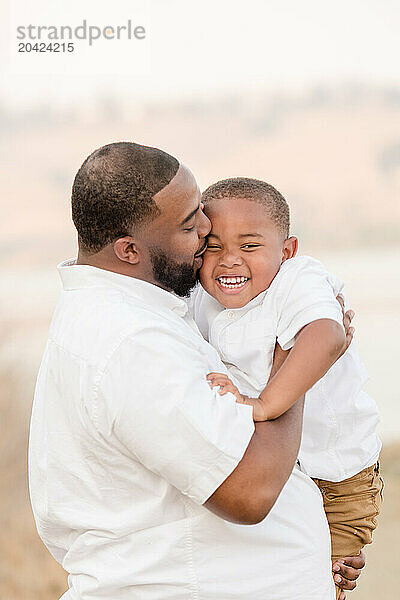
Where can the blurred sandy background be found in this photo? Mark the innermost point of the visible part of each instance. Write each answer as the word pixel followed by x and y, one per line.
pixel 305 98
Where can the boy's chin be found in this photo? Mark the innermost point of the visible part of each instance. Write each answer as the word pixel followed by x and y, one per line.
pixel 227 300
pixel 236 304
pixel 231 300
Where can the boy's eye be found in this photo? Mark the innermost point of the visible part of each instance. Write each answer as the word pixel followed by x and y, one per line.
pixel 213 247
pixel 250 246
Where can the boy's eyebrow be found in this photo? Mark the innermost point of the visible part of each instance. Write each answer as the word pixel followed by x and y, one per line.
pixel 186 219
pixel 242 235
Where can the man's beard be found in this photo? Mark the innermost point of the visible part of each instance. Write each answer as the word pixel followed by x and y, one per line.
pixel 176 277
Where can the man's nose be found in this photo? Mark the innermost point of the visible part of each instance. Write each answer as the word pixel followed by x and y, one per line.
pixel 229 259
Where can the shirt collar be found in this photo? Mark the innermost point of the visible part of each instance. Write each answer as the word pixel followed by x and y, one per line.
pixel 254 302
pixel 75 277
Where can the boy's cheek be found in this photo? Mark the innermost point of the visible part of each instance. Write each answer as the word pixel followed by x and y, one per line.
pixel 205 267
pixel 205 272
pixel 203 277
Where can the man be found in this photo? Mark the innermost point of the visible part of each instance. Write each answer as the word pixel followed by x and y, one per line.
pixel 141 476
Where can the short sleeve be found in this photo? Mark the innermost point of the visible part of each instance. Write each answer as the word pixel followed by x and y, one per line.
pixel 167 417
pixel 307 293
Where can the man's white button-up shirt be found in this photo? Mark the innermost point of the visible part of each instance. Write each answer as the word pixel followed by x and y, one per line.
pixel 127 441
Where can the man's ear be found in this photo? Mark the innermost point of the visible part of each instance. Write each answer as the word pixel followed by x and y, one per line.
pixel 289 248
pixel 125 249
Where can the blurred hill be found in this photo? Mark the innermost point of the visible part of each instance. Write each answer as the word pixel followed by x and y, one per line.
pixel 333 153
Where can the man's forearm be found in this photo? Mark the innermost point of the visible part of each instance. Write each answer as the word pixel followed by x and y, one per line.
pixel 279 442
pixel 251 490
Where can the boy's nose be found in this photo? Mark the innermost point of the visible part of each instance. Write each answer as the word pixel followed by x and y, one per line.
pixel 229 260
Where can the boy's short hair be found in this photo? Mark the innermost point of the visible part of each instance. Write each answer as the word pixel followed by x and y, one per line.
pixel 253 189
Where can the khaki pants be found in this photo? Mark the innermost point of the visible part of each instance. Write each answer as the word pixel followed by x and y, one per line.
pixel 352 507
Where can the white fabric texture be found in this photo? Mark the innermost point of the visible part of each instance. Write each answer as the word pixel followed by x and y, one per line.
pixel 340 419
pixel 127 441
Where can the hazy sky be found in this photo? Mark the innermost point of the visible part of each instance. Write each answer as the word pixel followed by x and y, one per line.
pixel 202 48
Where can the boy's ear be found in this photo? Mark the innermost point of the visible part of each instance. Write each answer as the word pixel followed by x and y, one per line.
pixel 289 248
pixel 125 249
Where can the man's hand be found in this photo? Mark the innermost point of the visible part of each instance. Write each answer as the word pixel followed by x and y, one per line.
pixel 346 571
pixel 347 318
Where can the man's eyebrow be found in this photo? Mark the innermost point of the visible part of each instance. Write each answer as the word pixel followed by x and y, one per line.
pixel 190 216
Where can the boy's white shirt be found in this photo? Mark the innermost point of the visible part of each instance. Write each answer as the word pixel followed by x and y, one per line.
pixel 340 419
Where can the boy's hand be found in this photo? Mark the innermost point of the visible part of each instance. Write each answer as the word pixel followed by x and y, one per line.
pixel 346 571
pixel 225 385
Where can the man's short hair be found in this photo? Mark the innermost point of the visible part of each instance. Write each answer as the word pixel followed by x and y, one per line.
pixel 113 192
pixel 253 189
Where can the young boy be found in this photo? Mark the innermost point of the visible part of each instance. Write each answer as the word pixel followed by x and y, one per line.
pixel 254 293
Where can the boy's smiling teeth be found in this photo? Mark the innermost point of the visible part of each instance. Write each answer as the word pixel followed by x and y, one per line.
pixel 232 282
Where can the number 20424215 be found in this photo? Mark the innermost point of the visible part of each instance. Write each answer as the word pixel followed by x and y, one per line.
pixel 42 47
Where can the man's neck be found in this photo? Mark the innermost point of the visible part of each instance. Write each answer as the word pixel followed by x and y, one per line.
pixel 101 260
pixel 109 262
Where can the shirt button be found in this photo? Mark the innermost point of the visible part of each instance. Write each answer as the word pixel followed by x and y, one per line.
pixel 231 314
